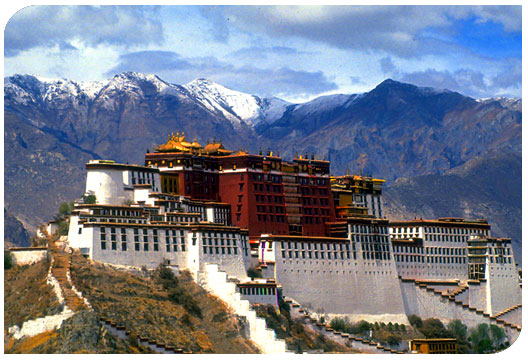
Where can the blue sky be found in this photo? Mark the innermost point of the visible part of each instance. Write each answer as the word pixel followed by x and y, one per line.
pixel 293 52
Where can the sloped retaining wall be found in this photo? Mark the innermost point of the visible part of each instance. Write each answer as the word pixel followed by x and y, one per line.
pixel 426 303
pixel 216 282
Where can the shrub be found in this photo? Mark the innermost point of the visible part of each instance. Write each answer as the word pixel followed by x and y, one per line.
pixel 393 340
pixel 434 328
pixel 340 324
pixel 497 335
pixel 254 273
pixel 165 277
pixel 415 321
pixel 133 339
pixel 89 199
pixel 364 326
pixel 8 261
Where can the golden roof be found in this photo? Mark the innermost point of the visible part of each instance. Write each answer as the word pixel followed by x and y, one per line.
pixel 216 148
pixel 177 143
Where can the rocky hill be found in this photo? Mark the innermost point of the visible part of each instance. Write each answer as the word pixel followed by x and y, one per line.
pixel 483 188
pixel 52 127
pixel 15 234
pixel 397 130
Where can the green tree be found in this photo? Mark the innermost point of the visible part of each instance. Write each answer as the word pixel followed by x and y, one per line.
pixel 89 199
pixel 364 326
pixel 457 328
pixel 65 209
pixel 497 335
pixel 459 331
pixel 434 328
pixel 393 340
pixel 8 261
pixel 480 339
pixel 63 227
pixel 254 273
pixel 415 321
pixel 340 324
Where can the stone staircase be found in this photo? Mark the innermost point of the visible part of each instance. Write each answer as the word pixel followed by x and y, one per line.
pixel 217 283
pixel 61 271
pixel 357 342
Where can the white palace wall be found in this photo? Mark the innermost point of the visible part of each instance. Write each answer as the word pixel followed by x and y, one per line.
pixel 359 289
pixel 503 287
pixel 107 185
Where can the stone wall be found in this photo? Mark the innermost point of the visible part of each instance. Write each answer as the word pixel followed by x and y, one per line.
pixel 359 289
pixel 426 303
pixel 28 256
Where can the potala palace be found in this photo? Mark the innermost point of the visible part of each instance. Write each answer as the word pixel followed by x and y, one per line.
pixel 320 240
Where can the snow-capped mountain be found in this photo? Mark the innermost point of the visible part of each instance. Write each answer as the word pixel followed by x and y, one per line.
pixel 234 105
pixel 510 103
pixel 237 107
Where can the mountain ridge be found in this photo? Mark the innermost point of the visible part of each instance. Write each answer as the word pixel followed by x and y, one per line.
pixel 394 131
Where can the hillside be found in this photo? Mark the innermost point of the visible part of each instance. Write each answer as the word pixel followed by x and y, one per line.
pixel 27 295
pixel 145 308
pixel 15 234
pixel 397 130
pixel 80 334
pixel 483 188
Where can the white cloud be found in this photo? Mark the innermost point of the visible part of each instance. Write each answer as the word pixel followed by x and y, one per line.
pixel 399 30
pixel 46 26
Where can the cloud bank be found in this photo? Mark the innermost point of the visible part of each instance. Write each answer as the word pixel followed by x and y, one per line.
pixel 281 82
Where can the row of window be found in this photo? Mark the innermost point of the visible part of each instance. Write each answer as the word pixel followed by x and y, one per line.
pixel 431 259
pixel 370 239
pixel 118 212
pixel 316 211
pixel 271 209
pixel 220 250
pixel 315 219
pixel 376 255
pixel 314 191
pixel 310 181
pixel 315 246
pixel 264 198
pixel 501 260
pixel 439 230
pixel 264 177
pixel 429 250
pixel 257 291
pixel 364 229
pixel 270 218
pixel 446 238
pixel 260 187
pixel 219 242
pixel 330 255
pixel 116 220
